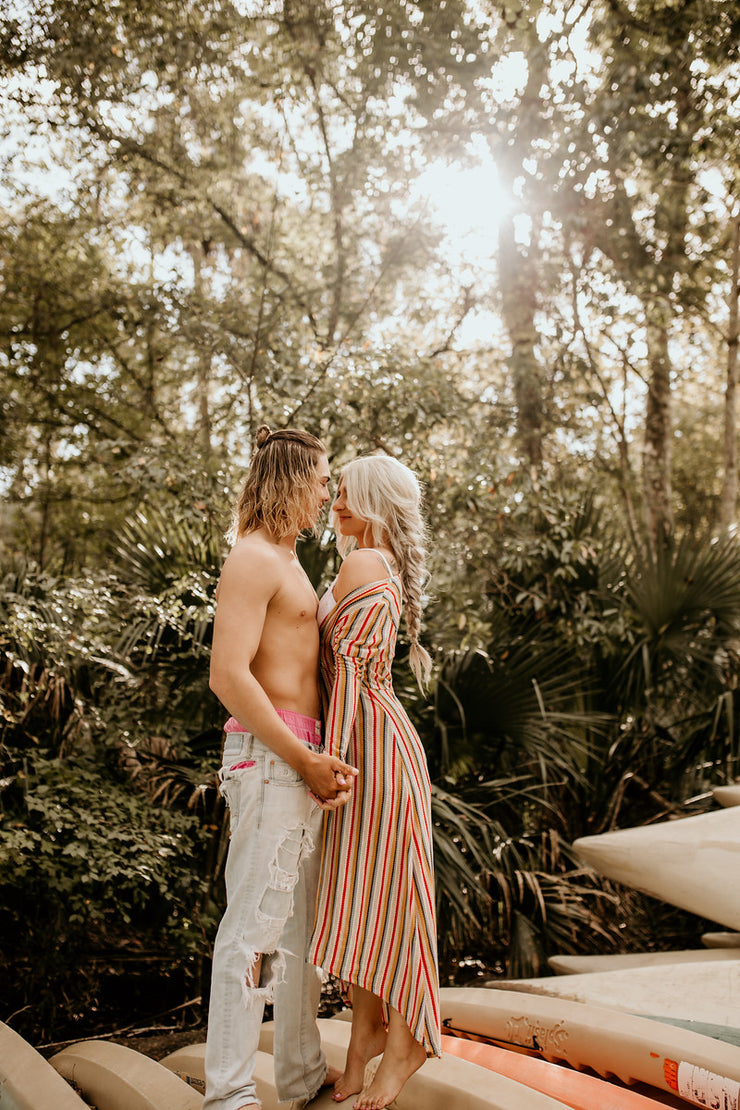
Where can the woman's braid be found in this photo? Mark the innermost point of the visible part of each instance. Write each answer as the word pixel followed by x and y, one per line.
pixel 408 546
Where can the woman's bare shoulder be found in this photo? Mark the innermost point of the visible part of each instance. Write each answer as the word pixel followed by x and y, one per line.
pixel 360 568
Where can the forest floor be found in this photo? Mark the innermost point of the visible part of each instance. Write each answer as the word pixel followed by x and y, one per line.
pixel 158 1041
pixel 159 1045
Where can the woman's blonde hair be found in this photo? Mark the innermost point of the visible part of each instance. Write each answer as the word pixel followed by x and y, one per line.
pixel 385 493
pixel 279 491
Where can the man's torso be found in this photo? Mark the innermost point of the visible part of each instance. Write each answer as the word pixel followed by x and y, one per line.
pixel 286 662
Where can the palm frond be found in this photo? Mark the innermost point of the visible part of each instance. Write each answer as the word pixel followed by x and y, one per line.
pixel 156 548
pixel 685 602
pixel 462 860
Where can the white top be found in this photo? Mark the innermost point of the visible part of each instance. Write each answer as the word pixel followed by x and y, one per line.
pixel 326 604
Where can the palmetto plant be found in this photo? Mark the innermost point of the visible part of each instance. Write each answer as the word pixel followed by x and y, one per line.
pixel 604 696
pixel 171 565
pixel 43 666
pixel 167 566
pixel 509 732
pixel 669 680
pixel 684 605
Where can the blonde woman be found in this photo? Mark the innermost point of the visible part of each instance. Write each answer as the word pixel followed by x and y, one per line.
pixel 375 923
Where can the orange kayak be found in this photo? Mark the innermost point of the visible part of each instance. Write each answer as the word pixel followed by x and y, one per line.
pixel 573 1088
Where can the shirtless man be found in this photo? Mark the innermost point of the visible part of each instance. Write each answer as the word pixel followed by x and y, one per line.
pixel 275 778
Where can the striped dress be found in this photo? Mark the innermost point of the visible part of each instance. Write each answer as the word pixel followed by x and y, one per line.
pixel 375 920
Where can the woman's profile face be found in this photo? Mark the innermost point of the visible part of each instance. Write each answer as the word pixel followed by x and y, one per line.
pixel 348 523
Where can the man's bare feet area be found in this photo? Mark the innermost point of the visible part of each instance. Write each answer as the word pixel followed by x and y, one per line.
pixel 362 1048
pixel 395 1068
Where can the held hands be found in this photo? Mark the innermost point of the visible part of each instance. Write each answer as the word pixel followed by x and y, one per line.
pixel 329 780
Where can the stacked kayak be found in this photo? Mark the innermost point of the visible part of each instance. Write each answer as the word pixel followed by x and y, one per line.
pixel 667 1058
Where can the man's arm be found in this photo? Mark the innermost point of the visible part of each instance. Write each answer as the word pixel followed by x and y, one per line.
pixel 248 582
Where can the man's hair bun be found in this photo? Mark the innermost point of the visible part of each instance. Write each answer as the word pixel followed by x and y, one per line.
pixel 263 434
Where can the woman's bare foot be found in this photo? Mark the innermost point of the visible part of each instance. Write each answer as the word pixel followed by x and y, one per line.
pixel 363 1045
pixel 397 1065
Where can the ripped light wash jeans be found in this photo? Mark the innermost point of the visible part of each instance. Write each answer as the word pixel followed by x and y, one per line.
pixel 271 884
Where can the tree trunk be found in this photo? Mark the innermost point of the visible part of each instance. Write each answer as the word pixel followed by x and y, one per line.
pixel 204 363
pixel 728 495
pixel 519 304
pixel 656 458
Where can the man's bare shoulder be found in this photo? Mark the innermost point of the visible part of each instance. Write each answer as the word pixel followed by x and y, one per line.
pixel 255 561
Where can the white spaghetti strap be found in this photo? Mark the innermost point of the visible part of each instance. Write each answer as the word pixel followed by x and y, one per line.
pixel 387 564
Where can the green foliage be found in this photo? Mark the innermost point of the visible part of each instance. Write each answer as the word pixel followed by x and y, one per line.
pixel 86 867
pixel 101 862
pixel 462 853
pixel 80 842
pixel 603 695
pixel 168 565
pixel 243 239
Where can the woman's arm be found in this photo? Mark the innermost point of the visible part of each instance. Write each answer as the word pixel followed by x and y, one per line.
pixel 357 633
pixel 355 636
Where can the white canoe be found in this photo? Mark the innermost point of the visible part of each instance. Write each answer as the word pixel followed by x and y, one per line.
pixel 28 1081
pixel 727 795
pixel 705 992
pixel 114 1077
pixel 611 1043
pixel 618 961
pixel 721 940
pixel 692 862
pixel 446 1084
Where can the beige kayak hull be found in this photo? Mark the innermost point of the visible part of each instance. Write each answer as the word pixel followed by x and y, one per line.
pixel 28 1081
pixel 688 862
pixel 618 961
pixel 721 940
pixel 439 1085
pixel 188 1064
pixel 727 795
pixel 113 1077
pixel 611 1043
pixel 702 992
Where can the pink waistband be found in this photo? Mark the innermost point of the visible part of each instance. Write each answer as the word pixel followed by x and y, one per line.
pixel 305 728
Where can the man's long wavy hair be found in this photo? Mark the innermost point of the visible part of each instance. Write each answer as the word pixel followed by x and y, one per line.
pixel 280 491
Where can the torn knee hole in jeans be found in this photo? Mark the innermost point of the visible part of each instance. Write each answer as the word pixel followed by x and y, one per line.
pixel 274 909
pixel 253 993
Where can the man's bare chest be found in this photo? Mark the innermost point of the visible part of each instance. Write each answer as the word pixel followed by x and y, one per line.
pixel 296 599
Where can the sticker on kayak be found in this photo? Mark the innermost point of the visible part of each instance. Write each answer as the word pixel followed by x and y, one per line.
pixel 530 1033
pixel 192 1081
pixel 702 1087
